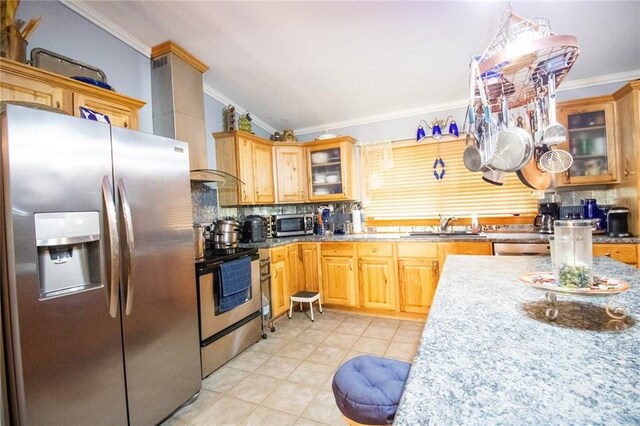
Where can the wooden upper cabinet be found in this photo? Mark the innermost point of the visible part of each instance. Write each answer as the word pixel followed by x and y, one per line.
pixel 24 83
pixel 250 158
pixel 291 176
pixel 628 127
pixel 591 140
pixel 332 172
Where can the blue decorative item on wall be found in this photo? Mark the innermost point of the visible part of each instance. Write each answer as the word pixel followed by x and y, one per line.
pixel 438 172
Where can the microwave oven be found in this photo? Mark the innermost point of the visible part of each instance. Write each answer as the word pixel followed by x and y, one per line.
pixel 287 225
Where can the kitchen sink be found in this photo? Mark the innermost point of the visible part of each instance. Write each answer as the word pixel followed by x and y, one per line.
pixel 453 234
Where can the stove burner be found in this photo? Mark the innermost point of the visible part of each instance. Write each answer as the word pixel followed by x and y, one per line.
pixel 213 255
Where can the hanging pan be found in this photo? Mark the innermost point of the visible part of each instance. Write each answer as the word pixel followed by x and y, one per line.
pixel 514 146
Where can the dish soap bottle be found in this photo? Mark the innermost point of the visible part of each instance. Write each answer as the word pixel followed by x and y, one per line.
pixel 475 226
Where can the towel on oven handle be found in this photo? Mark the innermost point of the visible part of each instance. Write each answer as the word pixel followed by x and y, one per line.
pixel 235 282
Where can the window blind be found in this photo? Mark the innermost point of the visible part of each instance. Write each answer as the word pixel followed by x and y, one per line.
pixel 401 184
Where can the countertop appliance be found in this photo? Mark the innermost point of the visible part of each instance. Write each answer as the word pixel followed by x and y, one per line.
pixel 226 333
pixel 98 294
pixel 254 229
pixel 287 225
pixel 549 213
pixel 618 222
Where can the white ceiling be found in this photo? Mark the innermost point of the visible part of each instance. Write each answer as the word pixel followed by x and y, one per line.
pixel 316 65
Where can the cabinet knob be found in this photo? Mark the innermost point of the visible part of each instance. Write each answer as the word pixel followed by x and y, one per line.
pixel 374 250
pixel 607 254
pixel 335 250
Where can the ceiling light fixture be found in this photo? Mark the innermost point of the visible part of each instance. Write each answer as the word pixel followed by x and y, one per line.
pixel 436 127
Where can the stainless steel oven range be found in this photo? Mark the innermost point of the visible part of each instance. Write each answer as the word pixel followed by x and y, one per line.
pixel 225 331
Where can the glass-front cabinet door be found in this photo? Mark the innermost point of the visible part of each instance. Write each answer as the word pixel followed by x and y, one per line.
pixel 326 172
pixel 590 140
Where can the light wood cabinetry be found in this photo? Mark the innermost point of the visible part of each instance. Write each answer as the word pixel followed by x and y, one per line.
pixel 418 274
pixel 331 168
pixel 338 274
pixel 308 266
pixel 626 253
pixel 24 83
pixel 279 280
pixel 291 176
pixel 464 247
pixel 591 140
pixel 250 158
pixel 293 265
pixel 377 276
pixel 628 126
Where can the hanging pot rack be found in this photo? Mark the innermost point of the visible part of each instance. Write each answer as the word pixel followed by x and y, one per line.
pixel 518 61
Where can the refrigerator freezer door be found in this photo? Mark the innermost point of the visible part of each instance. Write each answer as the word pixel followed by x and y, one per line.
pixel 160 323
pixel 65 356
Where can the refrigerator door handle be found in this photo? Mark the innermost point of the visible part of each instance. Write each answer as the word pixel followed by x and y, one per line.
pixel 128 266
pixel 112 258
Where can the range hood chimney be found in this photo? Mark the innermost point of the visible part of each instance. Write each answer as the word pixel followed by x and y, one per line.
pixel 178 105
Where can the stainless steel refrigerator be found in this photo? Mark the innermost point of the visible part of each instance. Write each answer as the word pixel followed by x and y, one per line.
pixel 98 284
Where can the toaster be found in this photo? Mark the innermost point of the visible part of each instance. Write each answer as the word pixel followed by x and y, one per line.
pixel 254 229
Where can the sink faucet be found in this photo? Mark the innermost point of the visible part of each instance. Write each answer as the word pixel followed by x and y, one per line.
pixel 445 222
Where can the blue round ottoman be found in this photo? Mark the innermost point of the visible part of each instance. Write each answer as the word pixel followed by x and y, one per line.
pixel 368 388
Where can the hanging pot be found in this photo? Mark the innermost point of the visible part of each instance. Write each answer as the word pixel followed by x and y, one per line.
pixel 514 146
pixel 531 175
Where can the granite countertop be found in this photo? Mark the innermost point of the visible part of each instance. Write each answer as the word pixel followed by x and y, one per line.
pixel 488 355
pixel 501 237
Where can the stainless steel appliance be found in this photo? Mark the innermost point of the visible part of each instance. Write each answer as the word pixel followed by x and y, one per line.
pixel 521 249
pixel 254 229
pixel 549 213
pixel 286 225
pixel 98 295
pixel 224 334
pixel 226 233
pixel 618 222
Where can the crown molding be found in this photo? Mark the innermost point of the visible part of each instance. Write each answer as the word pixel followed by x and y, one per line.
pixel 83 9
pixel 208 90
pixel 566 86
pixel 385 117
pixel 599 80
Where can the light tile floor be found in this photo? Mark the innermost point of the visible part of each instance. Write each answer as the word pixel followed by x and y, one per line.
pixel 286 378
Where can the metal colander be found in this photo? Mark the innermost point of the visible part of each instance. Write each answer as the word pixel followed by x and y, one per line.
pixel 555 161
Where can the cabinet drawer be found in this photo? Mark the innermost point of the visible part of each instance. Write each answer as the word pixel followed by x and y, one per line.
pixel 337 249
pixel 278 254
pixel 423 250
pixel 375 249
pixel 626 253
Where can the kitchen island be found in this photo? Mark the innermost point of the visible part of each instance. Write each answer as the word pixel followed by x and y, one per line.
pixel 488 354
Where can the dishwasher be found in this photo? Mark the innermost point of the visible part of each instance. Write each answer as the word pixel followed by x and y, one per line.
pixel 521 249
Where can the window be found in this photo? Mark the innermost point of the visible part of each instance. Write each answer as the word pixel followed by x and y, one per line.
pixel 401 184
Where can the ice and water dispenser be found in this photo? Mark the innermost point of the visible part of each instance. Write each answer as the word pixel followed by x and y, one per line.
pixel 68 252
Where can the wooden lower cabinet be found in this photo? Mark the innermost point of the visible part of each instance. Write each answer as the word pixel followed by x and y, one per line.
pixel 626 253
pixel 417 281
pixel 338 274
pixel 295 284
pixel 464 247
pixel 418 274
pixel 377 282
pixel 308 267
pixel 279 280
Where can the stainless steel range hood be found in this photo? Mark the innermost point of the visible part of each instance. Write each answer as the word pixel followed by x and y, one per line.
pixel 178 106
pixel 209 175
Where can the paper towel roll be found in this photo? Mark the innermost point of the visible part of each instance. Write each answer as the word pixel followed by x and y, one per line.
pixel 356 219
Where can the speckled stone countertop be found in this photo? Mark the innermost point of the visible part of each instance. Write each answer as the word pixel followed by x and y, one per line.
pixel 488 355
pixel 501 237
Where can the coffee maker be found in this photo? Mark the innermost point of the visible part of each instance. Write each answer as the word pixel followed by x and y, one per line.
pixel 549 213
pixel 618 222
